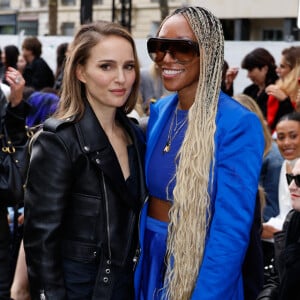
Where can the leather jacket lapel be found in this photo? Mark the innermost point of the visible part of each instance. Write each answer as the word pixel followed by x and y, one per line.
pixel 100 151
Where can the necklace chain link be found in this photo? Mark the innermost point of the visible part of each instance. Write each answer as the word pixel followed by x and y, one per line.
pixel 178 126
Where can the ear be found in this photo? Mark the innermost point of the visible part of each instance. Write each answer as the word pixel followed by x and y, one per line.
pixel 265 69
pixel 80 74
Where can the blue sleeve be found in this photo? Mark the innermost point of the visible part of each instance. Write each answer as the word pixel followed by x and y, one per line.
pixel 238 160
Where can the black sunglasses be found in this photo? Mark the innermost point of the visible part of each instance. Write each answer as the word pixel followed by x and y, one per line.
pixel 291 177
pixel 183 51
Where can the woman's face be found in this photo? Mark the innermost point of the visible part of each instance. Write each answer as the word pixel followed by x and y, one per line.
pixel 288 139
pixel 294 189
pixel 21 63
pixel 258 76
pixel 283 69
pixel 177 76
pixel 109 73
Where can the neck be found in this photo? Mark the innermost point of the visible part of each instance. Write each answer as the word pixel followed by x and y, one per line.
pixel 106 116
pixel 186 97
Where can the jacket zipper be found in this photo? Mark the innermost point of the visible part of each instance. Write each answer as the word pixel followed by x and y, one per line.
pixel 107 217
pixel 138 251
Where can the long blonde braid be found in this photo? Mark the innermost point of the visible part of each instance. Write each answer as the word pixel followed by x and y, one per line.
pixel 190 214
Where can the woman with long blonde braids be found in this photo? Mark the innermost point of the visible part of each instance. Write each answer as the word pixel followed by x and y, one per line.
pixel 204 154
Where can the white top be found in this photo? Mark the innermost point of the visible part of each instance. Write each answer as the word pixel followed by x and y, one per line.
pixel 284 199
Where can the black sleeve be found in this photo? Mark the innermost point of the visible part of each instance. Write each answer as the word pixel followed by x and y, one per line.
pixel 15 121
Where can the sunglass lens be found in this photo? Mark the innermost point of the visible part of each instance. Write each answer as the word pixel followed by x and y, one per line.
pixel 156 49
pixel 182 50
pixel 297 180
pixel 291 177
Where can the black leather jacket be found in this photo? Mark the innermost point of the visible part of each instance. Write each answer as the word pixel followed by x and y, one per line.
pixel 77 205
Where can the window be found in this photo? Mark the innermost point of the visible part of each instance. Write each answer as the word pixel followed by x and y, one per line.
pixel 29 26
pixel 272 35
pixel 4 3
pixel 8 24
pixel 43 2
pixel 27 3
pixel 68 2
pixel 67 28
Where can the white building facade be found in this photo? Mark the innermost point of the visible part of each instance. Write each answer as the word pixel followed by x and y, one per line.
pixel 243 20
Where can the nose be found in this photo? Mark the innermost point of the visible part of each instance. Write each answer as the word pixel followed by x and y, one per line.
pixel 120 76
pixel 169 56
pixel 292 186
pixel 286 141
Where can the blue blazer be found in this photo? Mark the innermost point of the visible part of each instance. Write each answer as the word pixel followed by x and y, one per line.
pixel 239 146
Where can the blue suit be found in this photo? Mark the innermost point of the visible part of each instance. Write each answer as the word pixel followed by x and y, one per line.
pixel 239 146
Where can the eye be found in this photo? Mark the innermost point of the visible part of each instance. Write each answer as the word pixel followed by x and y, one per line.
pixel 130 66
pixel 280 137
pixel 105 67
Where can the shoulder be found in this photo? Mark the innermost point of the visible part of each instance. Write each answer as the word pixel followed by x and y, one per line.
pixel 236 123
pixel 55 125
pixel 230 111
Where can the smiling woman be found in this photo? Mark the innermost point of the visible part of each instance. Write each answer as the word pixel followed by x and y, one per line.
pixel 288 141
pixel 193 219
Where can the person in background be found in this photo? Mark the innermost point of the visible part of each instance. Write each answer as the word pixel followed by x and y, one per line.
pixel 81 227
pixel 288 141
pixel 284 285
pixel 228 76
pixel 283 94
pixel 261 68
pixel 16 111
pixel 10 58
pixel 21 63
pixel 253 267
pixel 61 53
pixel 37 73
pixel 151 86
pixel 269 181
pixel 202 189
pixel 1 66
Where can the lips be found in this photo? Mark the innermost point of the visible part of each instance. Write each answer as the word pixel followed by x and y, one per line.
pixel 119 92
pixel 288 151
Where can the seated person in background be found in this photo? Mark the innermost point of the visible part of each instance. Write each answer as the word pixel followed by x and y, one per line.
pixel 284 285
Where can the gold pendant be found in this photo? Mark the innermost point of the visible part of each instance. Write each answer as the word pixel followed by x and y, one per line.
pixel 167 147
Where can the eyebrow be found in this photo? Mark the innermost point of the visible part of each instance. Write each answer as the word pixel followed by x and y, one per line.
pixel 114 61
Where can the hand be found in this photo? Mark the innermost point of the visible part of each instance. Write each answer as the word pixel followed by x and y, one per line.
pixel 21 219
pixel 275 91
pixel 268 231
pixel 231 74
pixel 17 83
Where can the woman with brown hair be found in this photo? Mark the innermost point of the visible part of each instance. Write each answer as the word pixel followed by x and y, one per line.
pixel 85 183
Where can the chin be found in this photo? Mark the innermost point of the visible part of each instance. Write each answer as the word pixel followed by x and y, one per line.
pixel 296 204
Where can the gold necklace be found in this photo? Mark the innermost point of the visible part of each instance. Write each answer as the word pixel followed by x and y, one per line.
pixel 175 131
